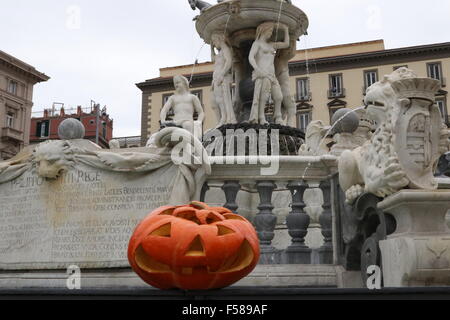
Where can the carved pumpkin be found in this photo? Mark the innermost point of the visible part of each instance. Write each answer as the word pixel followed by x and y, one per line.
pixel 193 247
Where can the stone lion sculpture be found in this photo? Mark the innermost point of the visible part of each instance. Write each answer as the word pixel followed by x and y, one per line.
pixel 52 158
pixel 407 143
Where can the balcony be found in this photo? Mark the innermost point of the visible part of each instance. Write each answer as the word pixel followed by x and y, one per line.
pixel 12 134
pixel 333 94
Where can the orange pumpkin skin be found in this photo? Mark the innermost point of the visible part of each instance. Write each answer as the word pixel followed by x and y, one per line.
pixel 193 247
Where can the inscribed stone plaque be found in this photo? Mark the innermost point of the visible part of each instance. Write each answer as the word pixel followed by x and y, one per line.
pixel 85 217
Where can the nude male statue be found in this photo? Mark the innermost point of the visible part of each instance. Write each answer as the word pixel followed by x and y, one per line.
pixel 184 105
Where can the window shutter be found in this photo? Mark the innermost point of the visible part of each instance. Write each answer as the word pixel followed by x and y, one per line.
pixel 47 127
pixel 38 129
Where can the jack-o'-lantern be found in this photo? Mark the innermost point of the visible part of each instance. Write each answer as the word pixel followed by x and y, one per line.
pixel 193 247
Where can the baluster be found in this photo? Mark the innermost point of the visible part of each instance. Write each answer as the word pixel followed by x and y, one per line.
pixel 326 221
pixel 231 189
pixel 298 223
pixel 265 222
pixel 205 189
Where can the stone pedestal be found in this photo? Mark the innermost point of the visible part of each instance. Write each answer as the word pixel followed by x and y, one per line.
pixel 418 252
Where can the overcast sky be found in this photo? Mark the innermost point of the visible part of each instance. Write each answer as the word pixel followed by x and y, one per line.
pixel 99 49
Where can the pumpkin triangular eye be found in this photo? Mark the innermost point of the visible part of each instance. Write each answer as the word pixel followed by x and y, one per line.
pixel 163 231
pixel 222 231
pixel 196 248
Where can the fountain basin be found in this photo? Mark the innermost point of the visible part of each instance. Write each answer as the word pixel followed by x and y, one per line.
pixel 234 16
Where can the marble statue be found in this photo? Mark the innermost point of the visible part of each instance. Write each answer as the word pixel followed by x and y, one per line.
pixel 184 105
pixel 282 73
pixel 408 141
pixel 262 57
pixel 314 140
pixel 222 103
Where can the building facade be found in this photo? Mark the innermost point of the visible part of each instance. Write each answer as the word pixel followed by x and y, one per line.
pixel 323 80
pixel 17 80
pixel 44 124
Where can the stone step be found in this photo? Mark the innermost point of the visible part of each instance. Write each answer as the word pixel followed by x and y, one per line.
pixel 305 276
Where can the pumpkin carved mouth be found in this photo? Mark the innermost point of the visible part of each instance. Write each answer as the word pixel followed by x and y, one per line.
pixel 193 242
pixel 242 259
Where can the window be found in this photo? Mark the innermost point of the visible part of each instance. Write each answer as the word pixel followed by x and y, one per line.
pixel 336 86
pixel 10 120
pixel 303 119
pixel 42 129
pixel 303 93
pixel 370 77
pixel 12 87
pixel 442 108
pixel 434 70
pixel 104 129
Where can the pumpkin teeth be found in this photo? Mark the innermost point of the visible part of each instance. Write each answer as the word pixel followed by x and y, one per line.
pixel 188 214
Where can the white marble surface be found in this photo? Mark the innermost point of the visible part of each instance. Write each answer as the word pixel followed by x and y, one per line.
pixel 418 252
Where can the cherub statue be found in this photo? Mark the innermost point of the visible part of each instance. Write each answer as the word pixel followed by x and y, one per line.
pixel 261 58
pixel 184 105
pixel 222 103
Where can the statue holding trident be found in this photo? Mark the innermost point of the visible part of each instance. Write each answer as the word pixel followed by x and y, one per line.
pixel 222 103
pixel 262 57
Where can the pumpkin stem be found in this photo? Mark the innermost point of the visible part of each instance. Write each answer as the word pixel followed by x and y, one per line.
pixel 199 205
